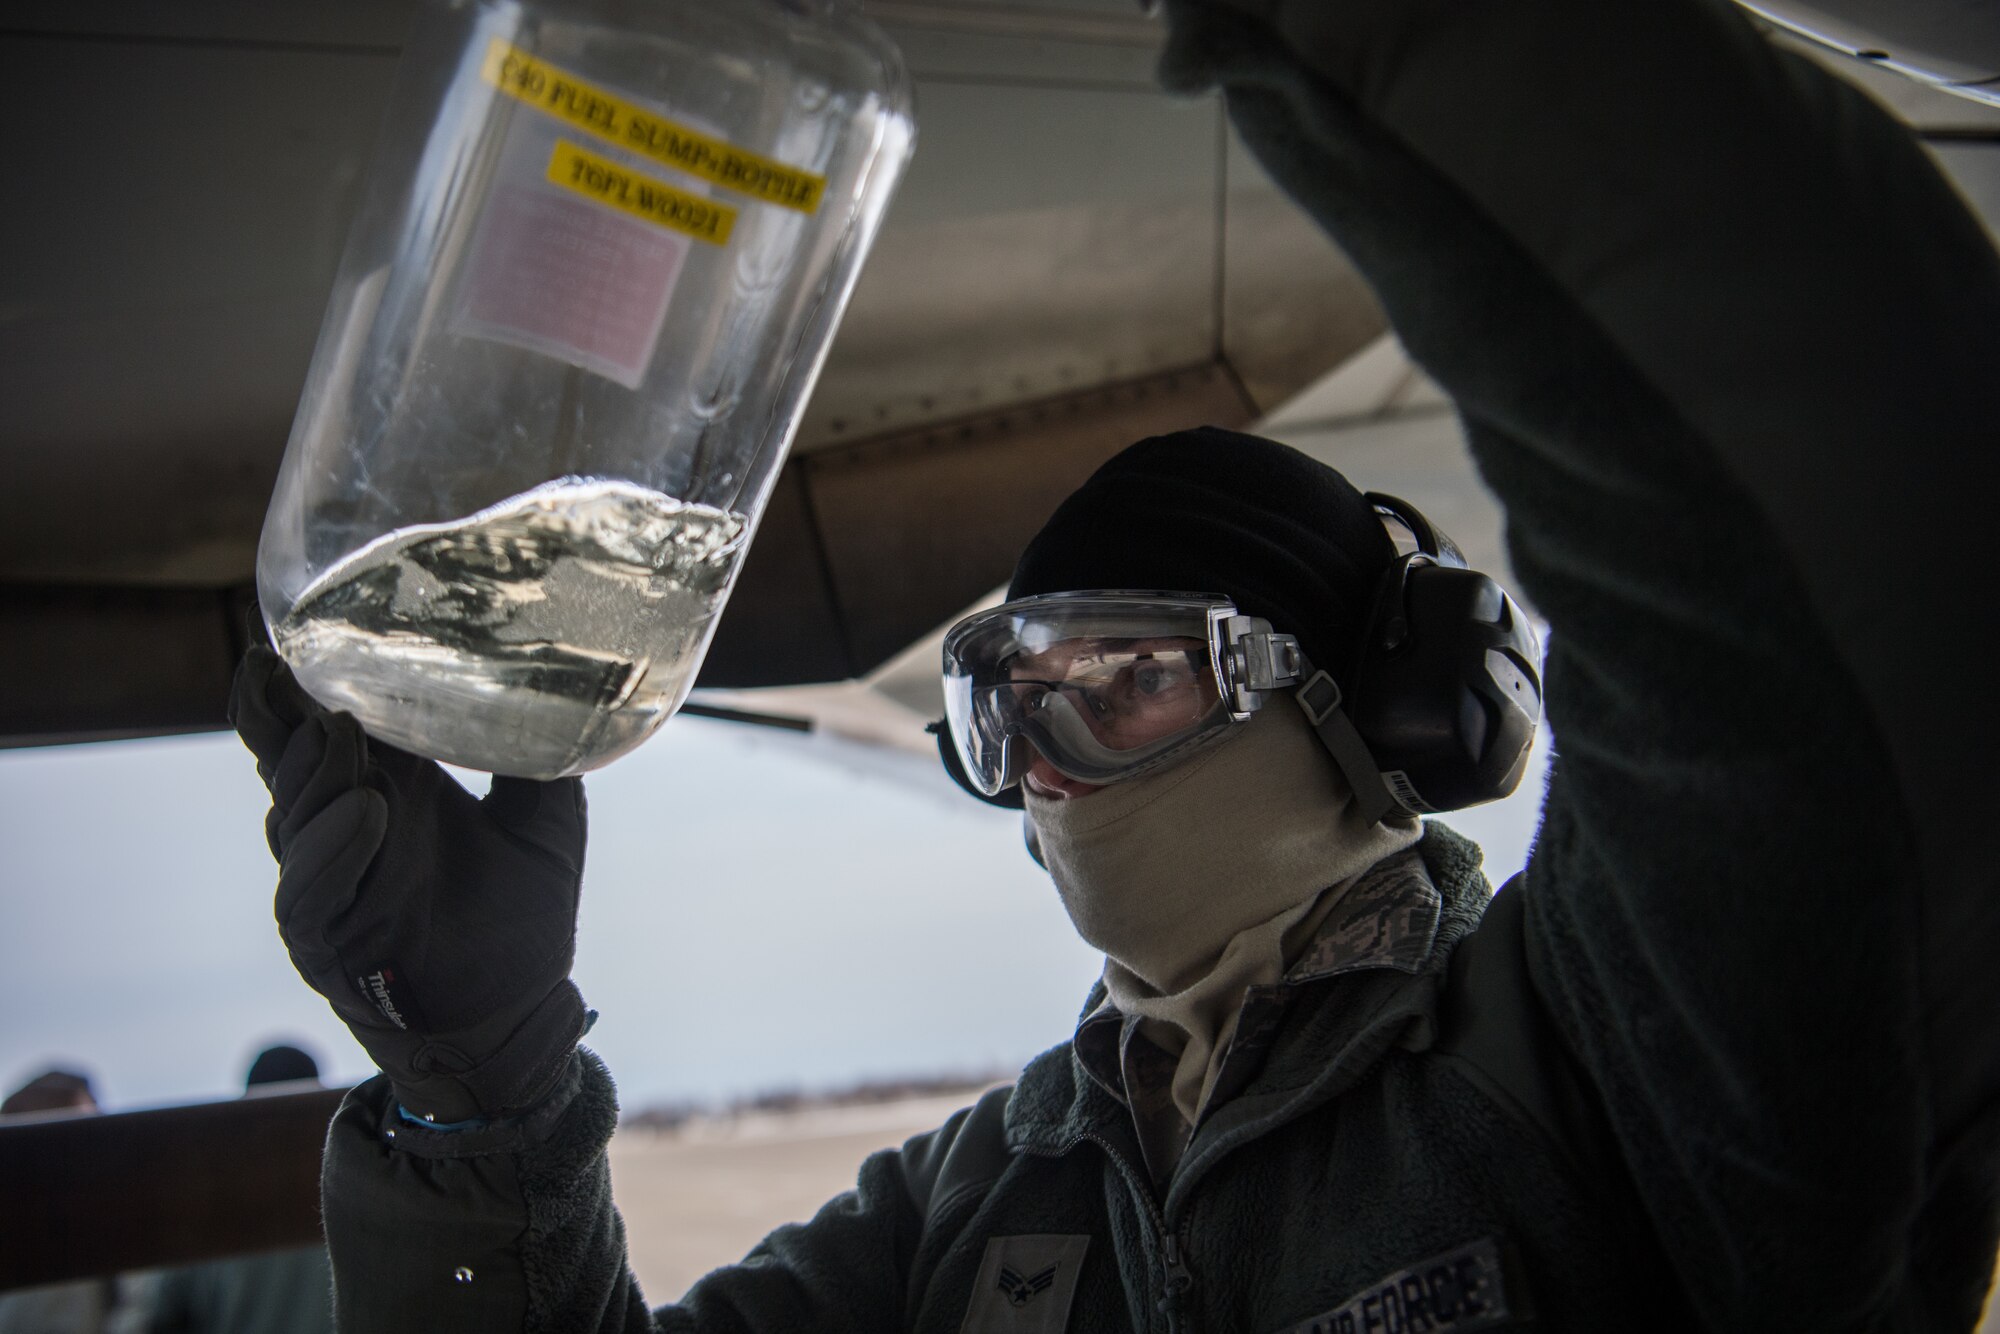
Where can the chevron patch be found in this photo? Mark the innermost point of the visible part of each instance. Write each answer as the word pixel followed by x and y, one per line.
pixel 1025 1285
pixel 1021 1291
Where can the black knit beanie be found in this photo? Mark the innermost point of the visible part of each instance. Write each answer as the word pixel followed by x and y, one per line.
pixel 1211 511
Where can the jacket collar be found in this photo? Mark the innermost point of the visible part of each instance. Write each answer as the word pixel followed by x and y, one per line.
pixel 1369 980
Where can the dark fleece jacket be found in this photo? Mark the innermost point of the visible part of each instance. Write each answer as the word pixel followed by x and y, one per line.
pixel 1378 1099
pixel 1725 346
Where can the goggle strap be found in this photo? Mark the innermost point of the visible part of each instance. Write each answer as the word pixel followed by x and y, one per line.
pixel 1319 699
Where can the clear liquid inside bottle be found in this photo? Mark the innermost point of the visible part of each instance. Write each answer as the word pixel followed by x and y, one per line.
pixel 545 635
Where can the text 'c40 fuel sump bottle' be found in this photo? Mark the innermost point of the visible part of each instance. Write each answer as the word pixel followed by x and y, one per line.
pixel 593 277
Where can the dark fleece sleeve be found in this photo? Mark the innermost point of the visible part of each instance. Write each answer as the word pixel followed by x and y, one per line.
pixel 1727 348
pixel 514 1229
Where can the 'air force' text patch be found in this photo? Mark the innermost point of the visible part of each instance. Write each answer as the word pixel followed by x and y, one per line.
pixel 1025 1285
pixel 1463 1289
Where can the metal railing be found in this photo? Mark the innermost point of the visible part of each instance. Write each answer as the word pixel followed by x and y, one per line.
pixel 88 1195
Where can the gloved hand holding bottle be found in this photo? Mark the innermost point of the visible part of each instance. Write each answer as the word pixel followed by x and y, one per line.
pixel 440 926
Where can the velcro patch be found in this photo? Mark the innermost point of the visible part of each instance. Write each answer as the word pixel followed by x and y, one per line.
pixel 1463 1289
pixel 1025 1285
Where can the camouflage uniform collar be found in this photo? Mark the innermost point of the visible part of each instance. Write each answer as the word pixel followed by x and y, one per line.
pixel 1387 919
pixel 1393 931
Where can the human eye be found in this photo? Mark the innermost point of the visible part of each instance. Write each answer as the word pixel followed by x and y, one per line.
pixel 1152 677
pixel 1158 677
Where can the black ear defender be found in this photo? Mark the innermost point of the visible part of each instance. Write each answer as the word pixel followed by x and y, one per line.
pixel 1446 690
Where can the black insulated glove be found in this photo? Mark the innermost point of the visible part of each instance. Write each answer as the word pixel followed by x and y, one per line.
pixel 440 926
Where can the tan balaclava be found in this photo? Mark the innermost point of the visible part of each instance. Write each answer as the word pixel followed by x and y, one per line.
pixel 1191 878
pixel 1196 881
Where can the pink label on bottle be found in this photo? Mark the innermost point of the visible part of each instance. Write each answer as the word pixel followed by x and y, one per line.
pixel 571 279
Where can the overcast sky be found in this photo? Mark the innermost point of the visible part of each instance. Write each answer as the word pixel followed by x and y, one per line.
pixel 761 910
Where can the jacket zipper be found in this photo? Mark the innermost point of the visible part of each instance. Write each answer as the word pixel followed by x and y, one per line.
pixel 1178 1278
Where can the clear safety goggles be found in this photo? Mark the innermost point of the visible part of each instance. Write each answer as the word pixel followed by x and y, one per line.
pixel 1105 685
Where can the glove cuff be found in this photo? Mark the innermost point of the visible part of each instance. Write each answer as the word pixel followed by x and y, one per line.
pixel 512 1135
pixel 436 1084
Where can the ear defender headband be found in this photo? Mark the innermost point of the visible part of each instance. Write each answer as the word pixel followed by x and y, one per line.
pixel 1440 706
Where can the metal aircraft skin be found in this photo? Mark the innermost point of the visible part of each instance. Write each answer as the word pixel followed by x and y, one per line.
pixel 1075 260
pixel 1953 45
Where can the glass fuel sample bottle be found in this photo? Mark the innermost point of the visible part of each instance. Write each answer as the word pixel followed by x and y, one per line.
pixel 601 254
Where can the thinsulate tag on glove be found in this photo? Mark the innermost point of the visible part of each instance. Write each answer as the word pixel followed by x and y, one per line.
pixel 381 987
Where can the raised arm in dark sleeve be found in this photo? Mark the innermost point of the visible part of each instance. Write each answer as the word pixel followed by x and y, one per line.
pixel 448 1231
pixel 468 1188
pixel 1728 349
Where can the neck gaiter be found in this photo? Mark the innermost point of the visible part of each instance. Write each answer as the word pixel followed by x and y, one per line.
pixel 1197 881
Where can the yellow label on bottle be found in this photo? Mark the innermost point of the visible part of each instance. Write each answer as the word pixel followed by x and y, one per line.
pixel 643 197
pixel 593 110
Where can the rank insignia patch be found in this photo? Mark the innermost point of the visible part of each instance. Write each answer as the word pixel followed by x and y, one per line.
pixel 1021 1291
pixel 1025 1285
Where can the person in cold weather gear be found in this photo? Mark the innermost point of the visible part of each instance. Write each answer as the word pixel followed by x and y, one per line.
pixel 1722 342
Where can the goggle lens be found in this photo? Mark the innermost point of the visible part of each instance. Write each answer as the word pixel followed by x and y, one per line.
pixel 1104 686
pixel 1128 697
